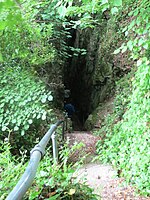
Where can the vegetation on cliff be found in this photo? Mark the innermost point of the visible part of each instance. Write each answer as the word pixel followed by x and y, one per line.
pixel 33 54
pixel 127 133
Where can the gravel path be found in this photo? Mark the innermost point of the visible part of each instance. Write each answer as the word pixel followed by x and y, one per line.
pixel 96 176
pixel 102 178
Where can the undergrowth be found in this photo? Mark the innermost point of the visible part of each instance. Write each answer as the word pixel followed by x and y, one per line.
pixel 53 181
pixel 126 143
pixel 25 107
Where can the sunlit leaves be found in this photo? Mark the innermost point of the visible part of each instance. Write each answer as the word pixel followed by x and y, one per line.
pixel 1 57
pixel 104 1
pixel 22 100
pixel 127 143
pixel 116 51
pixel 62 10
pixel 130 45
pixel 47 97
pixel 117 2
pixel 137 31
pixel 10 14
pixel 114 10
pixel 29 40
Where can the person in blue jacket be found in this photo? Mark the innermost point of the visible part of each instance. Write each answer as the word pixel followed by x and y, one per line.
pixel 69 108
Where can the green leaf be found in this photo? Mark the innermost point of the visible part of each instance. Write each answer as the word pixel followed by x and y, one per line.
pixel 4 128
pixel 22 132
pixel 130 45
pixel 117 51
pixel 50 98
pixel 38 116
pixel 62 11
pixel 44 99
pixel 2 105
pixel 44 116
pixel 145 46
pixel 30 121
pixel 26 127
pixel 131 25
pixel 126 33
pixel 138 21
pixel 55 197
pixel 124 48
pixel 1 57
pixel 104 1
pixel 117 2
pixel 16 128
pixel 72 191
pixel 141 41
pixel 34 115
pixel 114 10
pixel 83 53
pixel 1 119
pixel 135 13
pixel 13 121
pixel 2 25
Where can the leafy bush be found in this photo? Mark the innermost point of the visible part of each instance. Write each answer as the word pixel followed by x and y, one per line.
pixel 52 181
pixel 24 41
pixel 23 103
pixel 123 94
pixel 126 144
pixel 10 170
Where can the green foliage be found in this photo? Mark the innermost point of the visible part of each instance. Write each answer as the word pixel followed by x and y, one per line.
pixel 10 14
pixel 52 181
pixel 25 47
pixel 77 51
pixel 127 147
pixel 23 100
pixel 28 45
pixel 10 169
pixel 29 41
pixel 82 13
pixel 126 144
pixel 137 31
pixel 123 94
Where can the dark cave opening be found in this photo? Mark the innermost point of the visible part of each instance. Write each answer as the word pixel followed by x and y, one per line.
pixel 89 77
pixel 75 79
pixel 79 99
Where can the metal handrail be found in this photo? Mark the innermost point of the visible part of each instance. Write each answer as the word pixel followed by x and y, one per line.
pixel 35 156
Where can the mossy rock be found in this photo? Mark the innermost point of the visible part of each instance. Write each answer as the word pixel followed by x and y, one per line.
pixel 91 121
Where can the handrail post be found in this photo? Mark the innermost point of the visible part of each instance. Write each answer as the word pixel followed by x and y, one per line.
pixel 36 154
pixel 66 124
pixel 55 148
pixel 63 130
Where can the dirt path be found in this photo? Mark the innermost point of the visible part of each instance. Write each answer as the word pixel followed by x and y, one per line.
pixel 102 178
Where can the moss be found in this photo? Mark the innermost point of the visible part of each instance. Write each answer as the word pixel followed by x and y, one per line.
pixel 91 121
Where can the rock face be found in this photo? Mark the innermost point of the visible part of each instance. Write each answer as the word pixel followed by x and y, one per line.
pixel 90 76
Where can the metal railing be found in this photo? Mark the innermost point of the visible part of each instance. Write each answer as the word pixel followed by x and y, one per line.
pixel 35 156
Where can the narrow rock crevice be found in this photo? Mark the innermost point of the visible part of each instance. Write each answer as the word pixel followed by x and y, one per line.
pixel 86 76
